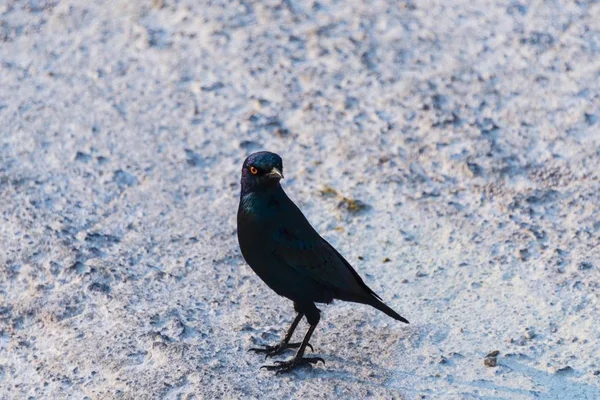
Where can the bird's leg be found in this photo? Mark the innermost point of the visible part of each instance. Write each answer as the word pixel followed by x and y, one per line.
pixel 285 343
pixel 298 360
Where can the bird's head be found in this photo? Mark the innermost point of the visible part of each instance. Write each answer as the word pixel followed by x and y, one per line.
pixel 261 171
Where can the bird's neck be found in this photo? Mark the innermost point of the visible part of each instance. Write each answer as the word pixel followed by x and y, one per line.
pixel 273 188
pixel 253 202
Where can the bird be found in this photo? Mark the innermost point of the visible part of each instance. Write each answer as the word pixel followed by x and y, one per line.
pixel 284 250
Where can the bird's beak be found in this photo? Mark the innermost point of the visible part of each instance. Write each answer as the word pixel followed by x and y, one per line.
pixel 275 173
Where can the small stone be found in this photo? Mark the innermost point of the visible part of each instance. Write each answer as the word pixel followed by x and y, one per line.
pixel 490 362
pixel 529 333
pixel 491 359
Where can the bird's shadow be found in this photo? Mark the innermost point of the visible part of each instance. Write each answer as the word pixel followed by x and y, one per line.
pixel 347 373
pixel 354 368
pixel 546 386
pixel 517 380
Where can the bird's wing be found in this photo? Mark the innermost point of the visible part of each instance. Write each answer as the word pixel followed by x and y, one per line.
pixel 310 255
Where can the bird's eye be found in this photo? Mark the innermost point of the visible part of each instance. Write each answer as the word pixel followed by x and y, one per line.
pixel 253 170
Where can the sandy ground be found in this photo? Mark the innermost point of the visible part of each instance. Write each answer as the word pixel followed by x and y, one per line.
pixel 470 131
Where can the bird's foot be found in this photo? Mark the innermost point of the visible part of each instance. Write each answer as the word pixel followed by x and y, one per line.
pixel 270 351
pixel 283 367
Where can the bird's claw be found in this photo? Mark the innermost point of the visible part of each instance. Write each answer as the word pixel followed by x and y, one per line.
pixel 283 367
pixel 271 351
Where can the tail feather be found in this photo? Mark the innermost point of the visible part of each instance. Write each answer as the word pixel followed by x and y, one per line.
pixel 381 306
pixel 372 300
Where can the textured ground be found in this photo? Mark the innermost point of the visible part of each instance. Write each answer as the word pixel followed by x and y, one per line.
pixel 471 132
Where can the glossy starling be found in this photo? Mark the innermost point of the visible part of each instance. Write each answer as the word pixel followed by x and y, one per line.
pixel 286 252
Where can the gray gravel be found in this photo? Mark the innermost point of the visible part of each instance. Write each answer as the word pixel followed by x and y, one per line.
pixel 449 151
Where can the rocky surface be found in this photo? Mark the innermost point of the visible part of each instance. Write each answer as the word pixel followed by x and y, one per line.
pixel 449 151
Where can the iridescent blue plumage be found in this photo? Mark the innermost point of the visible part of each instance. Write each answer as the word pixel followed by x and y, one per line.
pixel 286 252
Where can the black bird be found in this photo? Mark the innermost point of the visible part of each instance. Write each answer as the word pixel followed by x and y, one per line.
pixel 285 251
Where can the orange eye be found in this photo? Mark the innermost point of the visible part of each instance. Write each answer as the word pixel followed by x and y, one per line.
pixel 253 170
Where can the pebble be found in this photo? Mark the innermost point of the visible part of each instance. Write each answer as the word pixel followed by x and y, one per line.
pixel 491 359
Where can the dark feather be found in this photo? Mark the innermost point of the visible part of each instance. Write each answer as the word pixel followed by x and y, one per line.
pixel 286 252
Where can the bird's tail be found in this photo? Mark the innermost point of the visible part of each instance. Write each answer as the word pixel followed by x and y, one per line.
pixel 381 306
pixel 373 300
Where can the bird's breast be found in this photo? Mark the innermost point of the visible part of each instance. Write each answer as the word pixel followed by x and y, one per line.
pixel 254 231
pixel 260 207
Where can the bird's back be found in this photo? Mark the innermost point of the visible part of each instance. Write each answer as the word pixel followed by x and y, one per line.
pixel 276 238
